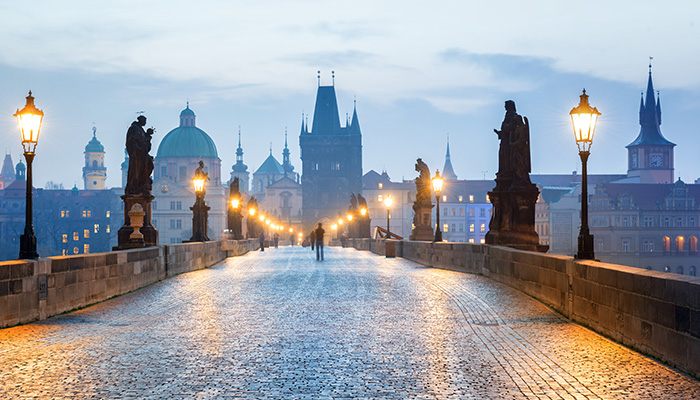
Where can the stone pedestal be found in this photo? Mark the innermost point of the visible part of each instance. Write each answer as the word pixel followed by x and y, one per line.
pixel 423 229
pixel 513 218
pixel 149 232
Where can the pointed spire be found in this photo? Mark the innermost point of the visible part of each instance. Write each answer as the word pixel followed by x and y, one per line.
pixel 447 171
pixel 270 148
pixel 355 122
pixel 333 76
pixel 318 76
pixel 650 117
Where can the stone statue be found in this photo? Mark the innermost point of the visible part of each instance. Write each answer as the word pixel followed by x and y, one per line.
pixel 422 183
pixel 235 185
pixel 353 202
pixel 138 145
pixel 361 201
pixel 507 128
pixel 520 152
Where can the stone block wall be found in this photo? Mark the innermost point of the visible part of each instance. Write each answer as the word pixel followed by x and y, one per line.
pixel 35 290
pixel 655 312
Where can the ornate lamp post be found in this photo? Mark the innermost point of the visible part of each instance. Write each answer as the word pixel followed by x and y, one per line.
pixel 437 188
pixel 235 219
pixel 200 210
pixel 351 228
pixel 584 118
pixel 388 202
pixel 363 223
pixel 250 222
pixel 29 119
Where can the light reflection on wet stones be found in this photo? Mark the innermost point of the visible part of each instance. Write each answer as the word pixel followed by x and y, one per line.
pixel 281 325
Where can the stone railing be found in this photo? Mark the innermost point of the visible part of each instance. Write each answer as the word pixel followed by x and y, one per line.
pixel 655 312
pixel 35 290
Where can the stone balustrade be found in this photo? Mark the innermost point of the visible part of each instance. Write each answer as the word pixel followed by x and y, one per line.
pixel 654 312
pixel 36 290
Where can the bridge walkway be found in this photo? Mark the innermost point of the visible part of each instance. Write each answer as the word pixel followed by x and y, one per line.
pixel 279 324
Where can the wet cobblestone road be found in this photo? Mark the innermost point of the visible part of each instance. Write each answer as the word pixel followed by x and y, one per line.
pixel 281 325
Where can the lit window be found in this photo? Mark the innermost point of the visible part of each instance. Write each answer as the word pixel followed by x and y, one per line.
pixel 381 185
pixel 65 238
pixel 97 228
pixel 86 248
pixel 461 212
pixel 107 229
pixel 471 227
pixel 87 213
pixel 483 228
pixel 471 240
pixel 76 237
pixel 482 241
pixel 454 211
pixel 444 198
pixel 76 250
pixel 460 198
pixel 380 198
pixel 445 228
pixel 488 200
pixel 108 214
pixel 471 198
pixel 86 233
pixel 64 252
pixel 471 212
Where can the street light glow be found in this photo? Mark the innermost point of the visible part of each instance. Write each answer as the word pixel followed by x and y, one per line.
pixel 29 120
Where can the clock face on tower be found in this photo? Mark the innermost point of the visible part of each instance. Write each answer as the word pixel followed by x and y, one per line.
pixel 656 160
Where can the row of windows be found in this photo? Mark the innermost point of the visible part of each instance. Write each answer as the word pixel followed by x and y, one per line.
pixel 648 245
pixel 334 166
pixel 453 211
pixel 86 214
pixel 453 227
pixel 76 250
pixel 86 233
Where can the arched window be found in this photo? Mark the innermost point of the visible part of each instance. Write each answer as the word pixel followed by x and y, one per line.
pixel 94 163
pixel 667 243
pixel 691 270
pixel 679 269
pixel 680 244
pixel 693 241
pixel 667 269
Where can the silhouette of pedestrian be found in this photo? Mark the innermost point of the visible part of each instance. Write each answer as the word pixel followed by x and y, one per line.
pixel 262 242
pixel 276 239
pixel 318 234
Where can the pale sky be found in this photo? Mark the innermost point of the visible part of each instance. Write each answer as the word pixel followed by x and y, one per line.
pixel 419 71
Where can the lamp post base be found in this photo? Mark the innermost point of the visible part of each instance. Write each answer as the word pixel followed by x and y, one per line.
pixel 438 236
pixel 27 246
pixel 585 247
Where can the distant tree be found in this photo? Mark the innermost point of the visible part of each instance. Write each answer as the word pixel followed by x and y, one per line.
pixel 51 185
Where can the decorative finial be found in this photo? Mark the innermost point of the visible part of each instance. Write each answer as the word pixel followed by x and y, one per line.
pixel 354 101
pixel 333 76
pixel 94 130
pixel 239 136
pixel 650 58
pixel 319 77
pixel 188 103
pixel 285 137
pixel 270 148
pixel 140 112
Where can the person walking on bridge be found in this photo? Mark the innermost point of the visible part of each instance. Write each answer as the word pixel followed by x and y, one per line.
pixel 318 234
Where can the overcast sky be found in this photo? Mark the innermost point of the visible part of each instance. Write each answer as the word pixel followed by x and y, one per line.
pixel 419 71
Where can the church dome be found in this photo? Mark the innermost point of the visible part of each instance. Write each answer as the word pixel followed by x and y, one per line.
pixel 187 141
pixel 94 146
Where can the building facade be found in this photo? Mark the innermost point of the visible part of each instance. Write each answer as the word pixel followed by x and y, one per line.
pixel 94 171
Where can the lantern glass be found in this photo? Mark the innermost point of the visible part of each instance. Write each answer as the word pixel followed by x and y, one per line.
pixel 437 183
pixel 363 211
pixel 388 202
pixel 349 217
pixel 198 184
pixel 262 218
pixel 29 120
pixel 251 212
pixel 583 119
pixel 235 203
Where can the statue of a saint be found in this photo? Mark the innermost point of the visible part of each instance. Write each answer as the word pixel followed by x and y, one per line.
pixel 138 145
pixel 353 202
pixel 507 127
pixel 361 201
pixel 423 183
pixel 520 152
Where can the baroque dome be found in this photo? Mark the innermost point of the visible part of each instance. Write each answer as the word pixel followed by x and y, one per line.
pixel 187 141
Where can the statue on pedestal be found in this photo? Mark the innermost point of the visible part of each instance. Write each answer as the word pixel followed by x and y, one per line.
pixel 513 199
pixel 422 207
pixel 138 185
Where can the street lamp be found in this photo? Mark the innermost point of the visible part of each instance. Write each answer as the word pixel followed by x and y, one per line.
pixel 200 210
pixel 387 202
pixel 437 188
pixel 584 118
pixel 235 221
pixel 29 119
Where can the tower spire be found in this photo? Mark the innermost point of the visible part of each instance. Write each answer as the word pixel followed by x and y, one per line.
pixel 447 171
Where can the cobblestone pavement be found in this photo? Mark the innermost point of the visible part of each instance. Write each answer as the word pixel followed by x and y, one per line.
pixel 281 325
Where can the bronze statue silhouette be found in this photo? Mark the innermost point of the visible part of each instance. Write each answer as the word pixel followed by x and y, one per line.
pixel 138 145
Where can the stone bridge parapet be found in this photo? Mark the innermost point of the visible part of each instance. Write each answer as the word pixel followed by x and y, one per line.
pixel 35 290
pixel 655 312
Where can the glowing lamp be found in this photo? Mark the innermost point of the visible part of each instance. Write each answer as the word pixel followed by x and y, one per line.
pixel 437 183
pixel 29 119
pixel 584 118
